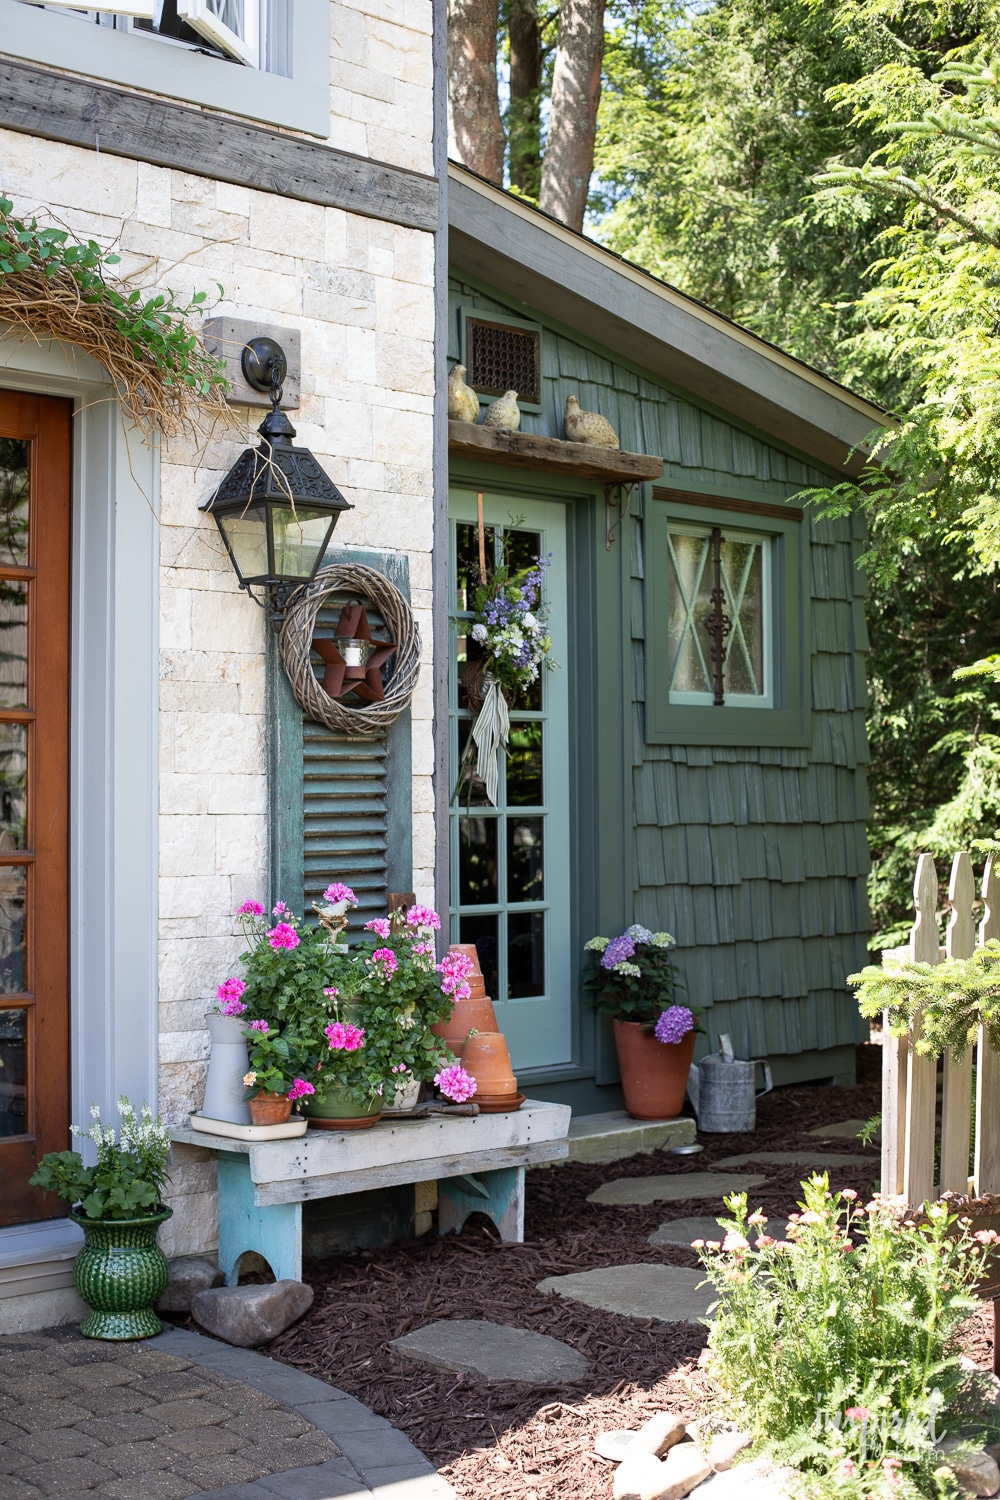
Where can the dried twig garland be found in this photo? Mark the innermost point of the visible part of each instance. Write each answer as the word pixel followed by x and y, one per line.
pixel 295 644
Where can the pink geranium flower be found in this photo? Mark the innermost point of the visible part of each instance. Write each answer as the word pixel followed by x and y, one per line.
pixel 250 909
pixel 455 969
pixel 299 1089
pixel 387 959
pixel 283 936
pixel 228 995
pixel 379 926
pixel 455 1083
pixel 279 909
pixel 339 892
pixel 260 1026
pixel 423 916
pixel 343 1036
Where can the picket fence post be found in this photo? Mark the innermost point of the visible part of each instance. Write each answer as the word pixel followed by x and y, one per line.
pixel 986 1168
pixel 921 1082
pixel 956 1098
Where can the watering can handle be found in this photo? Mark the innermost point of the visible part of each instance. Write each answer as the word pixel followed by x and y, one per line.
pixel 768 1085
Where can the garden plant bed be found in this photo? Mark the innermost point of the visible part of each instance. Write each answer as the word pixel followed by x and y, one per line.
pixel 518 1441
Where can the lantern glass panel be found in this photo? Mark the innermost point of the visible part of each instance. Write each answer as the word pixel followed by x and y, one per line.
pixel 245 531
pixel 300 536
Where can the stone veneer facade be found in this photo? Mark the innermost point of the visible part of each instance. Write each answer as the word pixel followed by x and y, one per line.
pixel 361 292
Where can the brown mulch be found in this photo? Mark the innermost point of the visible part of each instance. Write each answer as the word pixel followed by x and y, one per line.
pixel 517 1441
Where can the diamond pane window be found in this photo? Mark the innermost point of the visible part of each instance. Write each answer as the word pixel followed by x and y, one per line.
pixel 718 591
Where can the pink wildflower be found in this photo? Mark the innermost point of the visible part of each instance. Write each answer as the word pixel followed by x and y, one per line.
pixel 228 995
pixel 455 1083
pixel 764 1241
pixel 846 1467
pixel 343 1036
pixel 697 1244
pixel 260 1026
pixel 379 926
pixel 811 1218
pixel 339 892
pixel 422 916
pixel 849 1194
pixel 250 909
pixel 387 959
pixel 857 1413
pixel 283 936
pixel 757 1218
pixel 299 1089
pixel 986 1236
pixel 734 1241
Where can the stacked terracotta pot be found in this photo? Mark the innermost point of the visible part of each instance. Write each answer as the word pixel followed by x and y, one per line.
pixel 472 1033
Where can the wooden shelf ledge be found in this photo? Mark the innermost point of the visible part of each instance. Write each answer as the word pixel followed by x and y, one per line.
pixel 526 450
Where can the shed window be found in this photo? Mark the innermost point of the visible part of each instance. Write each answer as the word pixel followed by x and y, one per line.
pixel 718 605
pixel 230 28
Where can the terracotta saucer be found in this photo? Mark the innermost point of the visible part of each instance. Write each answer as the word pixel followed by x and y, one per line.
pixel 361 1122
pixel 498 1104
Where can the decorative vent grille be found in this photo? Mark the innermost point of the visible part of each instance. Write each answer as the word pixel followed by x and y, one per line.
pixel 501 358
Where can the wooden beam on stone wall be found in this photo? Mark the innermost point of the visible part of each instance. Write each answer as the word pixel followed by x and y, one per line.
pixel 527 450
pixel 59 107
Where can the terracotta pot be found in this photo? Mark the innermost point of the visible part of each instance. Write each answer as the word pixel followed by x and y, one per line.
pixel 270 1109
pixel 475 1013
pixel 487 1059
pixel 654 1074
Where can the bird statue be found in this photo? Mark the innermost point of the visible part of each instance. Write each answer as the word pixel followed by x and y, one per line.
pixel 503 414
pixel 587 427
pixel 463 403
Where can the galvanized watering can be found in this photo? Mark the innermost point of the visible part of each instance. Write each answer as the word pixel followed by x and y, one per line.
pixel 722 1089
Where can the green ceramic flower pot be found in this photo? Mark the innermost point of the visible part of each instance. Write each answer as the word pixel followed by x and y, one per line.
pixel 334 1107
pixel 119 1273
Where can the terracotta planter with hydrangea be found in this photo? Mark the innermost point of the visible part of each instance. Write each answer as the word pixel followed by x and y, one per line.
pixel 654 1072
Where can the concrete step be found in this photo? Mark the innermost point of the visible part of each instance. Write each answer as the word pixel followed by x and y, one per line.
pixel 612 1136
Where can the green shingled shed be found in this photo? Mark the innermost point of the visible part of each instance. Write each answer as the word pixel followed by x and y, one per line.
pixel 631 793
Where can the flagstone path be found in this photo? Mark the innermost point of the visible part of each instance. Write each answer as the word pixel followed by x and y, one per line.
pixel 843 1130
pixel 494 1351
pixel 183 1415
pixel 671 1294
pixel 679 1187
pixel 818 1159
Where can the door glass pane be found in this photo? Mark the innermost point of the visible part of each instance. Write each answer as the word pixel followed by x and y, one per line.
pixel 478 877
pixel 524 765
pixel 13 786
pixel 483 932
pixel 471 791
pixel 525 954
pixel 13 883
pixel 13 502
pixel 523 548
pixel 13 644
pixel 525 860
pixel 467 560
pixel 12 1072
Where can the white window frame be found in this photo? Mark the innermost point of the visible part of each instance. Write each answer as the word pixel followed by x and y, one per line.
pixel 764 699
pixel 142 10
pixel 246 48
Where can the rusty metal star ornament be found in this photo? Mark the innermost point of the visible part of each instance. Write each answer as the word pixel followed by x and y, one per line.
pixel 340 680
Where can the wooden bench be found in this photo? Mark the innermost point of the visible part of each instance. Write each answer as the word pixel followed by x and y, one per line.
pixel 478 1163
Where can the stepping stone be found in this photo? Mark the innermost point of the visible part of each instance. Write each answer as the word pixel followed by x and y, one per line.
pixel 475 1347
pixel 843 1130
pixel 677 1188
pixel 672 1294
pixel 683 1231
pixel 818 1159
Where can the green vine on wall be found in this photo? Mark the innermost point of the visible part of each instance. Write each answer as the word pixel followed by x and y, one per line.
pixel 53 286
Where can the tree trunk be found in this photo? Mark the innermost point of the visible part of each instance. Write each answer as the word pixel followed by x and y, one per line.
pixel 477 129
pixel 576 92
pixel 525 118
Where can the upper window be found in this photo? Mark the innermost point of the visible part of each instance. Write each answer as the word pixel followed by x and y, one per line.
pixel 719 635
pixel 192 50
pixel 726 623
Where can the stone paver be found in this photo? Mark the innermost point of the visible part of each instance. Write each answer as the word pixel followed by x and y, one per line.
pixel 182 1415
pixel 683 1231
pixel 817 1158
pixel 843 1130
pixel 492 1350
pixel 677 1188
pixel 669 1293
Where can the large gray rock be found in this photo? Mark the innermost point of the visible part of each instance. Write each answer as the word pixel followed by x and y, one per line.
pixel 658 1434
pixel 684 1467
pixel 189 1274
pixel 638 1478
pixel 475 1347
pixel 251 1315
pixel 672 1294
pixel 724 1448
pixel 977 1473
pixel 760 1480
pixel 679 1187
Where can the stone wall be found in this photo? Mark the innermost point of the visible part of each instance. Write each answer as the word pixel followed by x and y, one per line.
pixel 361 293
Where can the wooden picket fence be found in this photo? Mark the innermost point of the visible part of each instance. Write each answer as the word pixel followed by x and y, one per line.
pixel 909 1080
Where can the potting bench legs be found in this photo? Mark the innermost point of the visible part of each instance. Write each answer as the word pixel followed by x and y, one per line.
pixel 274 1232
pixel 499 1195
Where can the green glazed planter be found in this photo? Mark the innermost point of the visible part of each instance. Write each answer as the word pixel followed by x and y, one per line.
pixel 335 1108
pixel 119 1273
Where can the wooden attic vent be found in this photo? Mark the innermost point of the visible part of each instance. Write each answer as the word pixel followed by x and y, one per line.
pixel 500 358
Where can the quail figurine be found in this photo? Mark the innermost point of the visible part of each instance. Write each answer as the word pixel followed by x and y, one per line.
pixel 587 427
pixel 463 403
pixel 503 414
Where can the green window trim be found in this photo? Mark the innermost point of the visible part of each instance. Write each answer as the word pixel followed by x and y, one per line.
pixel 787 721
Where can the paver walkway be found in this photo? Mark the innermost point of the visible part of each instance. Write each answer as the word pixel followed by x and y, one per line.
pixel 818 1159
pixel 677 1188
pixel 492 1350
pixel 181 1415
pixel 672 1294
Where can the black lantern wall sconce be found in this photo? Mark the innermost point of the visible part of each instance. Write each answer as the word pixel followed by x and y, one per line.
pixel 276 508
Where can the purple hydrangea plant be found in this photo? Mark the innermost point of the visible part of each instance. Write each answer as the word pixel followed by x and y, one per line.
pixel 674 1024
pixel 617 950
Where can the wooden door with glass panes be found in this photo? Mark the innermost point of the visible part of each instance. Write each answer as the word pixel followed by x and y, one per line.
pixel 34 795
pixel 510 864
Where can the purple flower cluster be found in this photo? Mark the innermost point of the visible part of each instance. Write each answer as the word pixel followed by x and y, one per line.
pixel 618 950
pixel 674 1024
